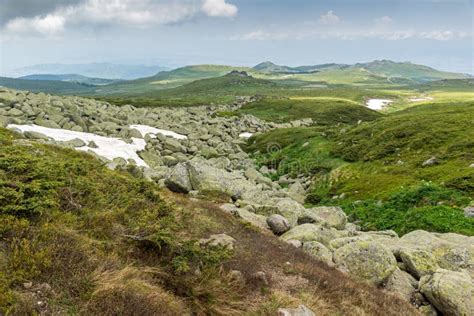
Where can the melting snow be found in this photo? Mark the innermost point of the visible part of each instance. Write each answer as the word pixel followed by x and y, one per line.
pixel 378 104
pixel 245 135
pixel 414 99
pixel 107 147
pixel 145 129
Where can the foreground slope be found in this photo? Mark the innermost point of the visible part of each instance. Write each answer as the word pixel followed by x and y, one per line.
pixel 81 239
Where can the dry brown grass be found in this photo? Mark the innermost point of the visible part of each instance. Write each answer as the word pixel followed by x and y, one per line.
pixel 132 291
pixel 294 277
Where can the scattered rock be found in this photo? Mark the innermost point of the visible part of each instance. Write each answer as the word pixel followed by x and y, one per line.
pixel 278 224
pixel 430 162
pixel 299 311
pixel 367 261
pixel 219 240
pixel 319 251
pixel 418 262
pixel 450 292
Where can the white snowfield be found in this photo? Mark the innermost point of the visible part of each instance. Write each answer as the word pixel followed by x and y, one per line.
pixel 378 104
pixel 245 135
pixel 145 129
pixel 107 147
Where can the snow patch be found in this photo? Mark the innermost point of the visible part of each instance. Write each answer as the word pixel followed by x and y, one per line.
pixel 145 129
pixel 415 99
pixel 378 104
pixel 245 135
pixel 107 147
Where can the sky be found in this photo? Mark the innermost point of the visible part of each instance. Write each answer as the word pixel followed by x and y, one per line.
pixel 171 33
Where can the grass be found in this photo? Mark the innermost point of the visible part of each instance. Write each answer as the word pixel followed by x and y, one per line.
pixel 107 242
pixel 380 159
pixel 323 110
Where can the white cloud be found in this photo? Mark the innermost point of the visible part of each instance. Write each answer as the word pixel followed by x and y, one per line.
pixel 48 25
pixel 329 18
pixel 311 33
pixel 134 13
pixel 219 8
pixel 260 35
pixel 383 21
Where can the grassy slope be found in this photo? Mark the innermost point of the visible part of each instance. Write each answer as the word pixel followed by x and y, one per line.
pixel 382 160
pixel 324 110
pixel 108 243
pixel 47 86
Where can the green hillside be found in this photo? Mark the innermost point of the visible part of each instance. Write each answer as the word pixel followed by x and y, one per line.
pixel 323 110
pixel 70 78
pixel 48 86
pixel 80 239
pixel 375 169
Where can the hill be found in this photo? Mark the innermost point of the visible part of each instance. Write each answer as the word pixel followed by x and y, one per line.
pixel 379 171
pixel 78 238
pixel 407 70
pixel 69 78
pixel 93 70
pixel 48 86
pixel 269 67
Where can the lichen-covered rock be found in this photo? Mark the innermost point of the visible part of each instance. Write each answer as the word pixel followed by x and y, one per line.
pixel 252 218
pixel 207 178
pixel 178 179
pixel 450 292
pixel 333 216
pixel 367 261
pixel 35 135
pixel 318 251
pixel 401 283
pixel 218 240
pixel 313 232
pixel 278 224
pixel 418 262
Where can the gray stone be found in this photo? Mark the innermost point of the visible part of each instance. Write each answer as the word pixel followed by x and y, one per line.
pixel 35 135
pixel 367 261
pixel 418 262
pixel 218 240
pixel 450 292
pixel 178 179
pixel 278 224
pixel 299 311
pixel 318 251
pixel 402 284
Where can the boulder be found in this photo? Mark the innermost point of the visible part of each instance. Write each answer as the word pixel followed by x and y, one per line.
pixel 401 283
pixel 367 261
pixel 332 215
pixel 173 145
pixel 252 218
pixel 207 178
pixel 418 262
pixel 313 232
pixel 469 211
pixel 318 251
pixel 35 135
pixel 178 179
pixel 299 311
pixel 450 292
pixel 430 162
pixel 218 240
pixel 278 224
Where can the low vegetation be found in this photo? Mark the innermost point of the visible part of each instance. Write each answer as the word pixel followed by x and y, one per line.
pixel 367 167
pixel 78 238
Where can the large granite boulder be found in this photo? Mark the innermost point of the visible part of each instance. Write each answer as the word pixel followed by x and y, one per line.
pixel 450 292
pixel 367 261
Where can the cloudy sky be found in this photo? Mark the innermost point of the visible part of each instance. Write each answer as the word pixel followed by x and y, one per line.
pixel 438 33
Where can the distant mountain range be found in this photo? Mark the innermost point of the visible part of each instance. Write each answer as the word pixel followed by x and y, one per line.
pixel 376 73
pixel 94 70
pixel 385 68
pixel 70 78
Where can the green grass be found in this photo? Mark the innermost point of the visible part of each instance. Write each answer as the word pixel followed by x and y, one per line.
pixel 383 158
pixel 323 110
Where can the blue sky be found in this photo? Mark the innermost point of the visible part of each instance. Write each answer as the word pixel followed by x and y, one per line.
pixel 438 33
